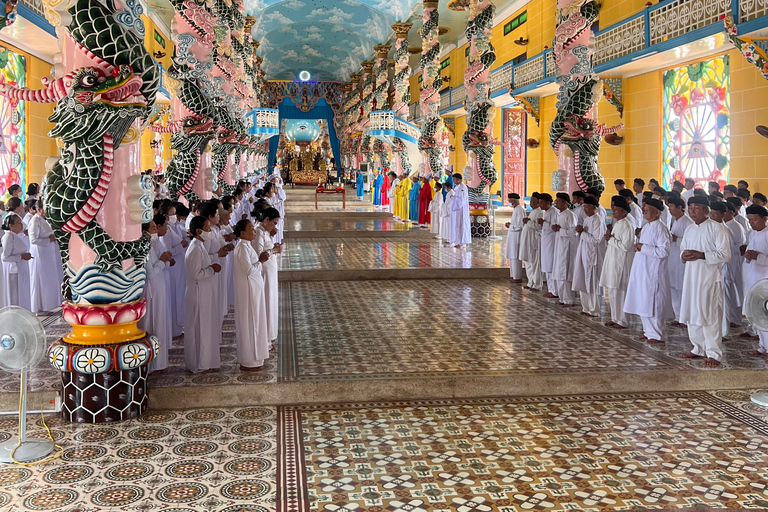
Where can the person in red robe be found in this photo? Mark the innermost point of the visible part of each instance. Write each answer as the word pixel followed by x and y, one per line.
pixel 385 184
pixel 425 196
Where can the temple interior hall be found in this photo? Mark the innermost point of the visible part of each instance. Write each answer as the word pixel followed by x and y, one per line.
pixel 383 255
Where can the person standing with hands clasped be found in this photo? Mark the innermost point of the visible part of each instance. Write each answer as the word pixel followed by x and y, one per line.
pixel 202 332
pixel 262 243
pixel 16 258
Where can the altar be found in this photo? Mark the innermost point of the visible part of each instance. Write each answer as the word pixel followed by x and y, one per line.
pixel 332 190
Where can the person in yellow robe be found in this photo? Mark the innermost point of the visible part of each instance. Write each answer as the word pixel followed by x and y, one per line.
pixel 407 185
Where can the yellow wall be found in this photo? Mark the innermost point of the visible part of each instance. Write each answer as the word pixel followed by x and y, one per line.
pixel 39 145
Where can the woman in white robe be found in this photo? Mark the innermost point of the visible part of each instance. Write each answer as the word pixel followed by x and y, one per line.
pixel 461 231
pixel 218 248
pixel 617 265
pixel 649 295
pixel 262 242
pixel 434 209
pixel 46 268
pixel 176 241
pixel 156 320
pixel 227 231
pixel 16 258
pixel 585 270
pixel 250 300
pixel 445 216
pixel 202 320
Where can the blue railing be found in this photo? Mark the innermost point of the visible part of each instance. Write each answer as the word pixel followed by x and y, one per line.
pixel 666 25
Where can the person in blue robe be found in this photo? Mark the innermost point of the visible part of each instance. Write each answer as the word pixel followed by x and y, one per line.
pixel 413 201
pixel 377 181
pixel 359 184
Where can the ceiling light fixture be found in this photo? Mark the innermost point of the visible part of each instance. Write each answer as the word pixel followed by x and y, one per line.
pixel 304 76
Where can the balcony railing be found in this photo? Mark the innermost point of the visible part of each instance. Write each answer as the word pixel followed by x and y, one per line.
pixel 656 28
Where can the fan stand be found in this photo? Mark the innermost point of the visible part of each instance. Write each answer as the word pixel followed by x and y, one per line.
pixel 23 449
pixel 760 398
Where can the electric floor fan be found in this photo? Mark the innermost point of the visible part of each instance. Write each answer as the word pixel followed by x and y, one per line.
pixel 756 310
pixel 22 345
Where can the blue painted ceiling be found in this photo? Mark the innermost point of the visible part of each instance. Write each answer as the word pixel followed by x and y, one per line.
pixel 328 38
pixel 301 130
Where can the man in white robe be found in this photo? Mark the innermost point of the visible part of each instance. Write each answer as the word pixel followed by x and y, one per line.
pixel 705 247
pixel 680 221
pixel 649 296
pixel 515 227
pixel 461 233
pixel 635 212
pixel 530 245
pixel 618 261
pixel 637 186
pixel 690 183
pixel 566 244
pixel 741 219
pixel 602 246
pixel 394 182
pixel 548 237
pixel 755 266
pixel 585 273
pixel 577 198
pixel 733 291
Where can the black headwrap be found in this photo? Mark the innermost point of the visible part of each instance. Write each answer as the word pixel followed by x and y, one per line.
pixel 621 202
pixel 545 197
pixel 757 210
pixel 655 203
pixel 564 196
pixel 513 195
pixel 718 206
pixel 591 200
pixel 698 200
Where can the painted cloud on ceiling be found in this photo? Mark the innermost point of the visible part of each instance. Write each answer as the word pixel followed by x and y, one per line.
pixel 328 38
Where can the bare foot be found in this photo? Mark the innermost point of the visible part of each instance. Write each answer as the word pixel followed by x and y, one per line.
pixel 250 368
pixel 516 281
pixel 654 342
pixel 210 370
pixel 757 353
pixel 563 304
pixel 691 355
pixel 534 289
pixel 584 313
pixel 549 295
pixel 610 323
pixel 712 363
pixel 526 287
pixel 748 336
pixel 642 337
pixel 674 323
pixel 618 326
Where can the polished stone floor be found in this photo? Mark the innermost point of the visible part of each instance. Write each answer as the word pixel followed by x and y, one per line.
pixel 589 453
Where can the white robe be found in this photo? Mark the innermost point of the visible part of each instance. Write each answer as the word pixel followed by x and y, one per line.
pixel 636 214
pixel 16 272
pixel 179 278
pixel 619 255
pixel 530 237
pixel 756 270
pixel 230 270
pixel 202 320
pixel 732 274
pixel 461 232
pixel 250 307
pixel 46 269
pixel 445 216
pixel 216 243
pixel 566 245
pixel 278 202
pixel 434 208
pixel 512 249
pixel 585 272
pixel 702 302
pixel 156 321
pixel 261 243
pixel 675 267
pixel 648 292
pixel 580 215
pixel 548 238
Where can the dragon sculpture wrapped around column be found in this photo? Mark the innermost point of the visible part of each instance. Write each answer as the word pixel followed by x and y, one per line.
pixel 109 82
pixel 368 88
pixel 401 84
pixel 477 141
pixel 380 149
pixel 574 134
pixel 429 98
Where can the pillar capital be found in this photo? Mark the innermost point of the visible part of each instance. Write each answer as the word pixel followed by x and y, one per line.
pixel 367 66
pixel 382 50
pixel 401 29
pixel 430 4
pixel 355 77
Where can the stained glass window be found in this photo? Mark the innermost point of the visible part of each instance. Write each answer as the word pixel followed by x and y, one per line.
pixel 13 126
pixel 696 122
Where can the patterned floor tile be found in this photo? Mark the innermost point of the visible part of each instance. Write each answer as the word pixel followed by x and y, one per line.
pixel 202 459
pixel 387 252
pixel 589 453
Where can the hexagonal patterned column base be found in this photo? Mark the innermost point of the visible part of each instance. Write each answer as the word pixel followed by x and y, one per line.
pixel 480 225
pixel 104 397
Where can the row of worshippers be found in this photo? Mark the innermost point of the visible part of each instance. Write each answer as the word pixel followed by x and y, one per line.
pixel 32 272
pixel 441 204
pixel 694 267
pixel 222 253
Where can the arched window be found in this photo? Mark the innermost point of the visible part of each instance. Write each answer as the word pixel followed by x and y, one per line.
pixel 696 122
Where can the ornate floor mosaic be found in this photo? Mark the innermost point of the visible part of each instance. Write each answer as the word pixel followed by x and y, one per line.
pixel 198 460
pixel 588 453
pixel 328 226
